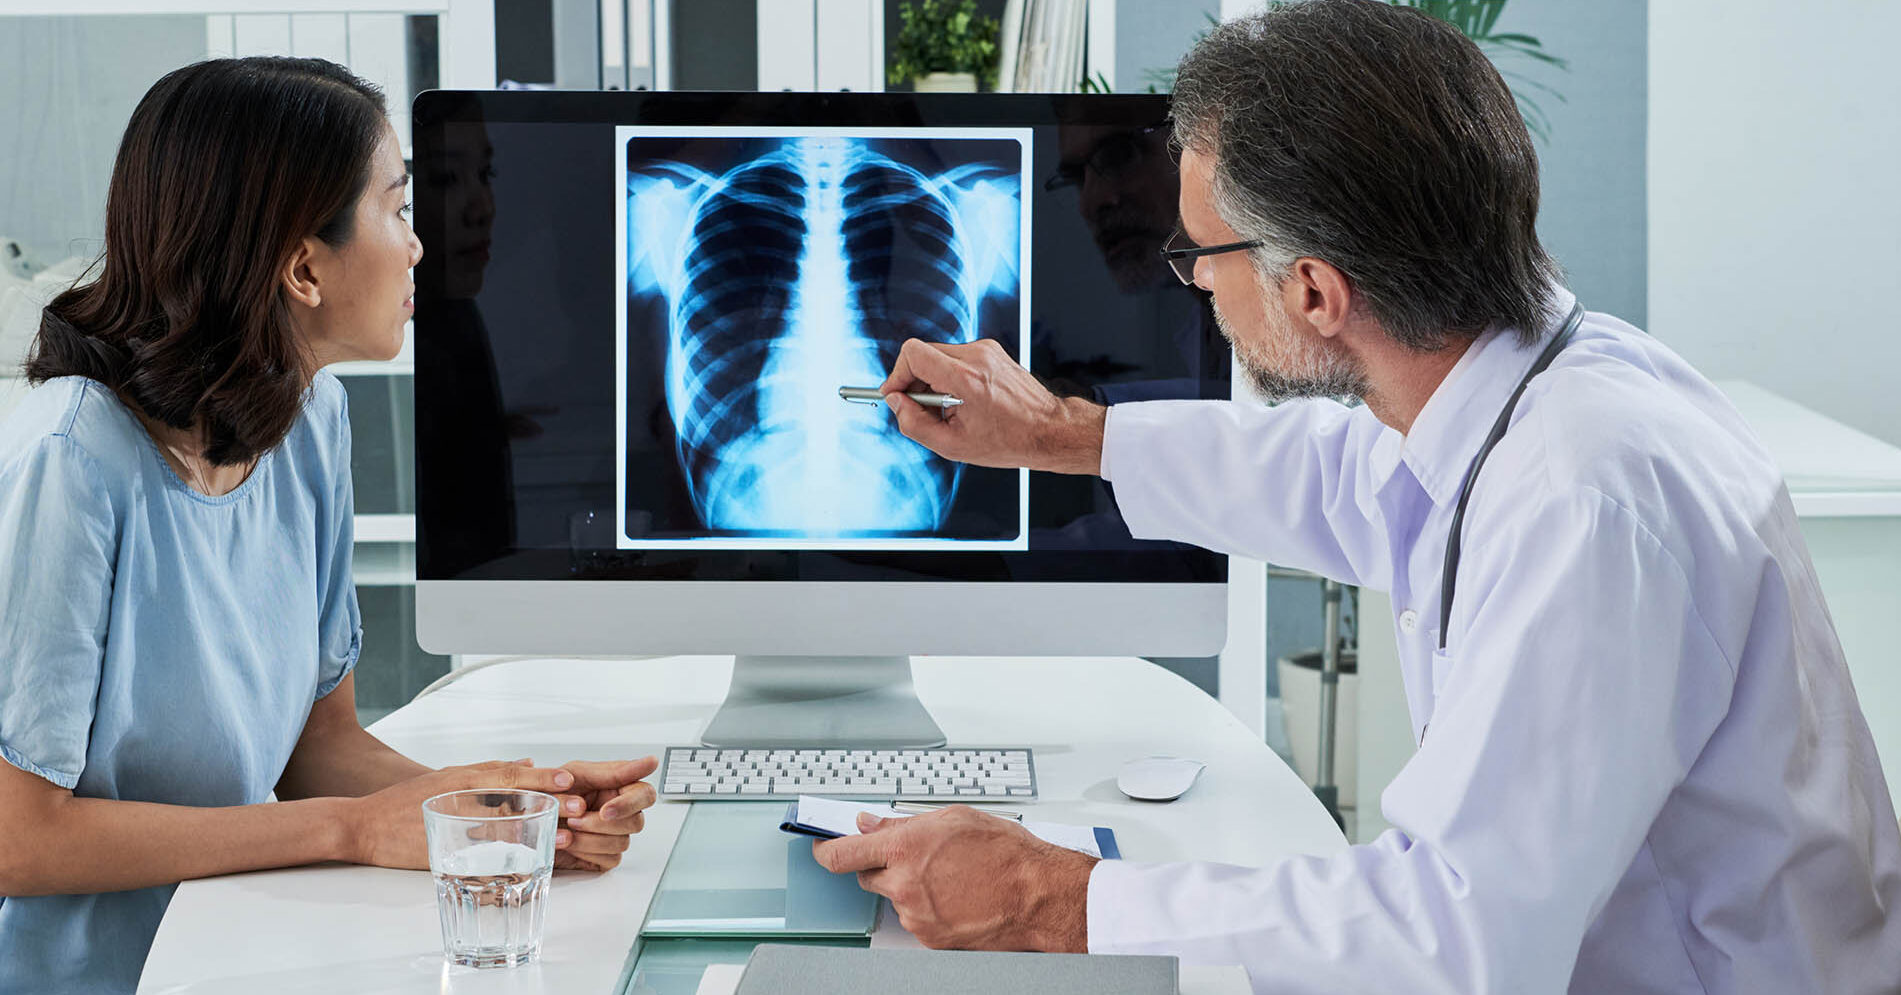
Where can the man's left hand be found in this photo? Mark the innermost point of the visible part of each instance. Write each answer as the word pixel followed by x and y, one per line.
pixel 606 805
pixel 965 880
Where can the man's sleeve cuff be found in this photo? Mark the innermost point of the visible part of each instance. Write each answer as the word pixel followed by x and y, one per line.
pixel 1119 907
pixel 1108 419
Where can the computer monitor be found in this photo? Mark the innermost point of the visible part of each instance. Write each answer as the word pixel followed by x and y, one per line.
pixel 633 316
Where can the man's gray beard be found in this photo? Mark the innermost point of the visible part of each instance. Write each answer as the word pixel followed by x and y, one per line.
pixel 1325 375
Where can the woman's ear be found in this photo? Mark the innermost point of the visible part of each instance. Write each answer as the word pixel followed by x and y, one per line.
pixel 301 283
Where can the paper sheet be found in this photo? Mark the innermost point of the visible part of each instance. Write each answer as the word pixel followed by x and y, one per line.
pixel 841 817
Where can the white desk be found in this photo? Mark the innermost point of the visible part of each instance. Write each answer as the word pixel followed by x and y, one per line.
pixel 339 928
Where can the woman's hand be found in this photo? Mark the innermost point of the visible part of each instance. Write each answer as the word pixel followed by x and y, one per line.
pixel 385 828
pixel 605 806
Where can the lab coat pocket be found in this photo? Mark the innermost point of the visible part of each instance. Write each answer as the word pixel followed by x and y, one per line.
pixel 1442 664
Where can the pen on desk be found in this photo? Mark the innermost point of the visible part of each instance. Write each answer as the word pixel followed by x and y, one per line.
pixel 872 395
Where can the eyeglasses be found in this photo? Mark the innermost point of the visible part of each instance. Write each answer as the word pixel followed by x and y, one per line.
pixel 1181 253
pixel 1111 159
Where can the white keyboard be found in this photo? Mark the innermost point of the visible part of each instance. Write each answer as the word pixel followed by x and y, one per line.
pixel 999 775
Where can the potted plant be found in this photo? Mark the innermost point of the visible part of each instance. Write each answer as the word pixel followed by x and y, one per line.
pixel 943 46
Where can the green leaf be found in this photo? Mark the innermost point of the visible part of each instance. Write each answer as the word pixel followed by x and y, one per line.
pixel 947 36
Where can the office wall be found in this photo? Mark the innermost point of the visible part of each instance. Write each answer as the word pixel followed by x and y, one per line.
pixel 1152 35
pixel 1775 226
pixel 1592 215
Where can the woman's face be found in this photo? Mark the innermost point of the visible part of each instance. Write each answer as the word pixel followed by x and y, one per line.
pixel 363 291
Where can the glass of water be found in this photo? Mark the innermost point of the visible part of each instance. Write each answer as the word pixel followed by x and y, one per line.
pixel 492 853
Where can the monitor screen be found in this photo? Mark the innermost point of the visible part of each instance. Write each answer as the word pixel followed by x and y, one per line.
pixel 635 312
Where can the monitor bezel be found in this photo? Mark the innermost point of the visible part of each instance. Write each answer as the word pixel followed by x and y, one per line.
pixel 500 614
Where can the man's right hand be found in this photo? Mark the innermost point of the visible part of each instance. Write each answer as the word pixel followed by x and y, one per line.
pixel 1008 418
pixel 385 828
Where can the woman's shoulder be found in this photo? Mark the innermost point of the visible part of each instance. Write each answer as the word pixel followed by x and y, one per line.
pixel 322 429
pixel 80 413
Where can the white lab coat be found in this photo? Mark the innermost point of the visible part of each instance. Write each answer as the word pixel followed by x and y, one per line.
pixel 1643 766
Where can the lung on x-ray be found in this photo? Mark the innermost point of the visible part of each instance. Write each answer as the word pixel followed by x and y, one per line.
pixel 765 268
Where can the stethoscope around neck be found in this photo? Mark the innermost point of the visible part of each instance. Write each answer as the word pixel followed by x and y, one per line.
pixel 1449 573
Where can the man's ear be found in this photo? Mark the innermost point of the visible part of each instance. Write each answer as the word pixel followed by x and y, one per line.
pixel 1317 291
pixel 300 280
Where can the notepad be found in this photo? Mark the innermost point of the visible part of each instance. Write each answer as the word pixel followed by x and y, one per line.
pixel 830 818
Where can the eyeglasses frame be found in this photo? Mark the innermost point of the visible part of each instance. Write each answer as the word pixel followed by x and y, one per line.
pixel 1172 256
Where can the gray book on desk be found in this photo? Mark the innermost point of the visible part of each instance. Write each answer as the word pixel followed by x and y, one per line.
pixel 787 970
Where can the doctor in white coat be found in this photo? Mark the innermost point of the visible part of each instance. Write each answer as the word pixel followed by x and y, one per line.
pixel 1642 767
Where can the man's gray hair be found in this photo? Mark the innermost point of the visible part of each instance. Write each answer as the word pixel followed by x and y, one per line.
pixel 1379 140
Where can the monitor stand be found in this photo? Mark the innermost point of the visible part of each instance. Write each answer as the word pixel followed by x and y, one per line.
pixel 822 701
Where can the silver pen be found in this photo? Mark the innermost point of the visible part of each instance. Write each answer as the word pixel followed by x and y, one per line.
pixel 872 395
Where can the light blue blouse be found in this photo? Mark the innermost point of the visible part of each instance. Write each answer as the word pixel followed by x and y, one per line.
pixel 157 645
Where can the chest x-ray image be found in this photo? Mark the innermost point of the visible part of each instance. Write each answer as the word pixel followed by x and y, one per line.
pixel 766 268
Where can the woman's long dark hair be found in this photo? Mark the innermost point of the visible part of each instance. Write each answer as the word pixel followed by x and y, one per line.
pixel 225 168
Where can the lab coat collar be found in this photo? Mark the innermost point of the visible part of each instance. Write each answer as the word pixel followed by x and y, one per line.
pixel 1449 430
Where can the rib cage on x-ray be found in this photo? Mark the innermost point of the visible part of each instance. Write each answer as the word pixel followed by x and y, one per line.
pixel 793 273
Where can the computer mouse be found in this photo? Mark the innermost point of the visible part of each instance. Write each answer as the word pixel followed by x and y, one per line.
pixel 1158 779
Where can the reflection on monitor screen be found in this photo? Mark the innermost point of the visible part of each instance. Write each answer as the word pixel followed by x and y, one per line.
pixel 771 266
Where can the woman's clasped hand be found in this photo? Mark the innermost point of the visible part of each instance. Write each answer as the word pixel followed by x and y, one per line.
pixel 603 803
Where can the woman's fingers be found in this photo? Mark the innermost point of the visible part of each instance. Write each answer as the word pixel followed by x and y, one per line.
pixel 592 775
pixel 592 845
pixel 618 811
pixel 563 860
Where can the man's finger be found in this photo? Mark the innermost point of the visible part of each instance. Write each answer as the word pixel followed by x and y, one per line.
pixel 920 424
pixel 877 882
pixel 920 364
pixel 853 853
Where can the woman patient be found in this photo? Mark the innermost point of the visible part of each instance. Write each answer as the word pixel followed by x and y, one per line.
pixel 178 622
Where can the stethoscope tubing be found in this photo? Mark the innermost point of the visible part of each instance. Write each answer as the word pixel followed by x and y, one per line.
pixel 1449 572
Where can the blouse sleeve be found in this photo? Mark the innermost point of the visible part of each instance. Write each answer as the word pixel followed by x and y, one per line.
pixel 340 623
pixel 58 537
